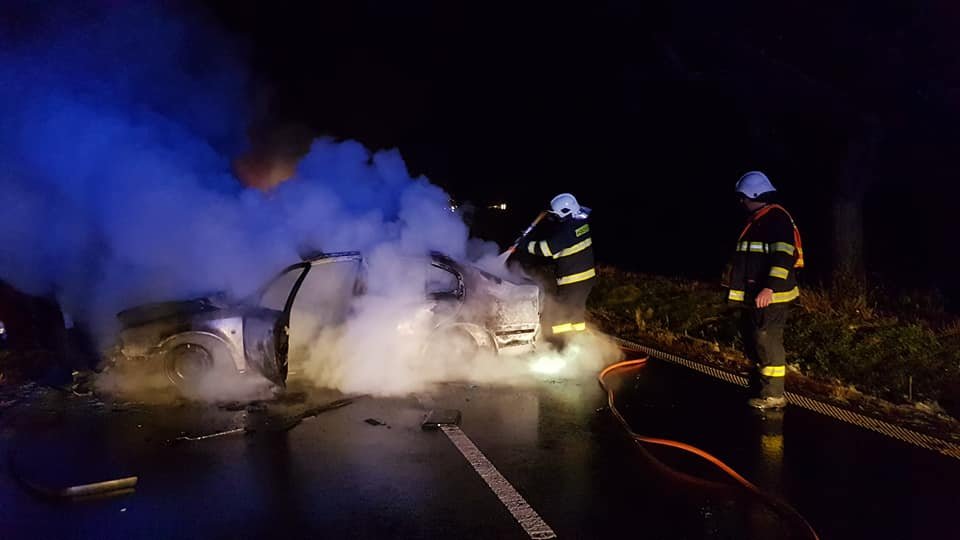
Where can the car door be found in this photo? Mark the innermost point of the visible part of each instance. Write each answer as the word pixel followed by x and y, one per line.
pixel 323 300
pixel 445 292
pixel 267 331
pixel 309 296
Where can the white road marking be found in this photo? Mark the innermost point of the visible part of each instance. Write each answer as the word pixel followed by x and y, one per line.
pixel 526 516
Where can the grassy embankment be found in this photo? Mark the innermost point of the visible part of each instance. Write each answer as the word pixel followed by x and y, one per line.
pixel 894 355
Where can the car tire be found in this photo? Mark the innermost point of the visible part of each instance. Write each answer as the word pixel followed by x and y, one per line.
pixel 189 357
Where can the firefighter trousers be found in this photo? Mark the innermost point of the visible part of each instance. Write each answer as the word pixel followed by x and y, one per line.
pixel 762 332
pixel 566 312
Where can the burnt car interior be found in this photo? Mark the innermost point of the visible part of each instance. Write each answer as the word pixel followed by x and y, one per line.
pixel 444 282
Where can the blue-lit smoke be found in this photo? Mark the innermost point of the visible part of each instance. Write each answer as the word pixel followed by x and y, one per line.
pixel 117 128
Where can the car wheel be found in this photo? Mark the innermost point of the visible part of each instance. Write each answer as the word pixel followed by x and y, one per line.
pixel 187 359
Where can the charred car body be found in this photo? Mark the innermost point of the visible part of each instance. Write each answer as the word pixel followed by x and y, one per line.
pixel 189 340
pixel 497 314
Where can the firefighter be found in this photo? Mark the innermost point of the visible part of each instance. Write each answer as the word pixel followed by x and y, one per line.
pixel 762 278
pixel 568 243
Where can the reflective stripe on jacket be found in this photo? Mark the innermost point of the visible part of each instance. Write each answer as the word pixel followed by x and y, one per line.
pixel 569 243
pixel 766 256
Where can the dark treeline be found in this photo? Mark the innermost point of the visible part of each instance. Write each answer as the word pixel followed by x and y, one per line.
pixel 649 112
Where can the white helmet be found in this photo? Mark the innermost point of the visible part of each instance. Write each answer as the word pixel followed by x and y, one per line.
pixel 753 184
pixel 565 205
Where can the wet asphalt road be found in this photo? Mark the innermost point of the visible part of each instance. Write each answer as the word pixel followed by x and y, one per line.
pixel 336 475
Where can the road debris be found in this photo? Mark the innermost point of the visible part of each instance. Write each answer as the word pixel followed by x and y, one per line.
pixel 375 422
pixel 261 420
pixel 284 423
pixel 211 435
pixel 438 418
pixel 106 488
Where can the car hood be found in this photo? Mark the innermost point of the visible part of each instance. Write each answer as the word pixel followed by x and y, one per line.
pixel 503 304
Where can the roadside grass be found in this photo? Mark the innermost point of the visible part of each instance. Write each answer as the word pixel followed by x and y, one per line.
pixel 848 343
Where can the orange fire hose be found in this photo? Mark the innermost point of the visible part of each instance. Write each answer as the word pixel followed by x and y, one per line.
pixel 640 439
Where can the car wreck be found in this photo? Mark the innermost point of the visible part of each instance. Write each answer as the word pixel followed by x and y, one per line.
pixel 464 307
pixel 499 315
pixel 186 340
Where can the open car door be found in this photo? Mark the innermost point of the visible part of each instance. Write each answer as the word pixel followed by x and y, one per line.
pixel 316 294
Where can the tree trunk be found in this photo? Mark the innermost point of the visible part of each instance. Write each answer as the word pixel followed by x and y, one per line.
pixel 854 181
pixel 848 238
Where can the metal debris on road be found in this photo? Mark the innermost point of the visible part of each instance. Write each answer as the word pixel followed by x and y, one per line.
pixel 285 423
pixel 262 421
pixel 375 422
pixel 107 488
pixel 211 435
pixel 438 418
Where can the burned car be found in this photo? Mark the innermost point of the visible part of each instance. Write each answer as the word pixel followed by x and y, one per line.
pixel 190 340
pixel 465 309
pixel 482 311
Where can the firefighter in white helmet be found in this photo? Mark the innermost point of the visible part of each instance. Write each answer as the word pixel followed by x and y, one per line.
pixel 762 277
pixel 565 239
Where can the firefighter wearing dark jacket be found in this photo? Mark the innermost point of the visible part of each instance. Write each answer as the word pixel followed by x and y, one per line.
pixel 762 277
pixel 569 244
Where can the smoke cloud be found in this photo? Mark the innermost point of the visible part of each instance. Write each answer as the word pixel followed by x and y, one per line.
pixel 118 125
pixel 117 130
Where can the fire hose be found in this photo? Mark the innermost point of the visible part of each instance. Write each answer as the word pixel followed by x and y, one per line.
pixel 642 439
pixel 513 247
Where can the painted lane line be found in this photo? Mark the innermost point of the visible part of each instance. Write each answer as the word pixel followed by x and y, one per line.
pixel 526 516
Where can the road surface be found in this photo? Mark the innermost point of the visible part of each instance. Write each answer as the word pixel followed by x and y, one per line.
pixel 368 470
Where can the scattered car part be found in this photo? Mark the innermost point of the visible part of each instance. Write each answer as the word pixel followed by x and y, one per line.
pixel 107 487
pixel 210 435
pixel 263 421
pixel 438 418
pixel 286 422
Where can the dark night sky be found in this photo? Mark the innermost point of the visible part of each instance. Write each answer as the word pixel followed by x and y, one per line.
pixel 648 111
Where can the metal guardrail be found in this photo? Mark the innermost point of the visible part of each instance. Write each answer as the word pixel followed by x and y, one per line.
pixel 894 431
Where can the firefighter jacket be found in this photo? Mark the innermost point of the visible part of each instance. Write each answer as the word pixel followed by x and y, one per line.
pixel 768 255
pixel 570 245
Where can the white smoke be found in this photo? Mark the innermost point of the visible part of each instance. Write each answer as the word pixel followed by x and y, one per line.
pixel 118 191
pixel 117 181
pixel 385 351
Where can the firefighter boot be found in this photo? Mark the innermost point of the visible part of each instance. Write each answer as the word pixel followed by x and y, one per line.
pixel 769 402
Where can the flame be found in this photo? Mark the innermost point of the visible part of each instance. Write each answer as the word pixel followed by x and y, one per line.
pixel 262 171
